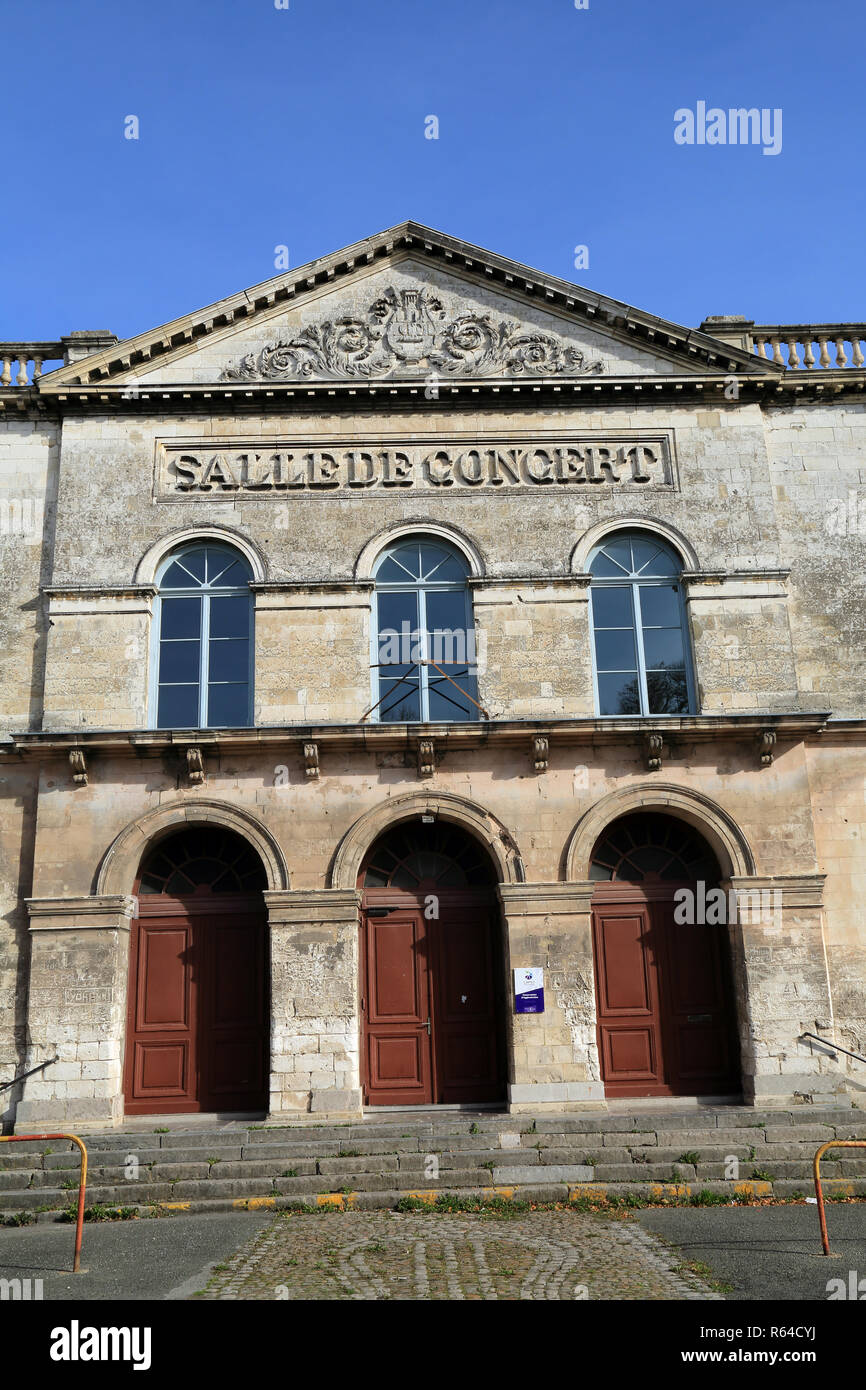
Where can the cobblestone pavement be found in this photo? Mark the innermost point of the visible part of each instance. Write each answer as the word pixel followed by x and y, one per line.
pixel 389 1255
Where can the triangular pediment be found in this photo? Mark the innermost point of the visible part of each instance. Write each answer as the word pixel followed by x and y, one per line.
pixel 411 305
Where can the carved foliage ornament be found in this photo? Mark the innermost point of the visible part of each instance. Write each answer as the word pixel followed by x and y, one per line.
pixel 410 333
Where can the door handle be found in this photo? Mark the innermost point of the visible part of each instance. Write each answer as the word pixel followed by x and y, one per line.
pixel 429 1028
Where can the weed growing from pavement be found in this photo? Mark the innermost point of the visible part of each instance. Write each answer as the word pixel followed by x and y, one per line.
pixel 99 1213
pixel 703 1272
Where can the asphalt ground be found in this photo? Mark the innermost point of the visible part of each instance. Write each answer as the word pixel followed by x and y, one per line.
pixel 768 1253
pixel 171 1257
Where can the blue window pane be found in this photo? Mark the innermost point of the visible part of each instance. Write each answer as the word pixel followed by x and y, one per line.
pixel 398 627
pixel 449 702
pixel 186 572
pixel 179 662
pixel 181 617
pixel 397 569
pixel 228 706
pixel 230 617
pixel 440 567
pixel 613 560
pixel 651 558
pixel 178 707
pixel 618 694
pixel 667 692
pixel 401 702
pixel 615 650
pixel 228 574
pixel 228 659
pixel 660 605
pixel 663 647
pixel 612 607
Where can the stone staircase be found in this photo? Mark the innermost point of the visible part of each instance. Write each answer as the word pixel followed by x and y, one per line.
pixel 376 1163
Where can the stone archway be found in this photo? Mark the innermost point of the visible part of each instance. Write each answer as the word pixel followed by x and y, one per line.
pixel 662 961
pixel 198 996
pixel 484 826
pixel 718 828
pixel 117 872
pixel 469 915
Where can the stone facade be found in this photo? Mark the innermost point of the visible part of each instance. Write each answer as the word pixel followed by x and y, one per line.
pixel 415 385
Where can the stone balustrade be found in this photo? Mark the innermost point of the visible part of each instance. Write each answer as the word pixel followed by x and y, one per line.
pixel 22 362
pixel 807 346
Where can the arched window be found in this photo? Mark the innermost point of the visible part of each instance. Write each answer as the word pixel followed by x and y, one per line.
pixel 423 651
pixel 640 651
pixel 209 860
pixel 203 654
pixel 647 847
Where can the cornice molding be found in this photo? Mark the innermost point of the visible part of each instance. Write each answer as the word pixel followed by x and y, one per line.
pixel 590 731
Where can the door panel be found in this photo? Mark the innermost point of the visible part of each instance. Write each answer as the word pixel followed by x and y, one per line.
pixel 397 1009
pixel 197 1028
pixel 415 969
pixel 697 1012
pixel 665 1007
pixel 234 1024
pixel 465 1019
pixel 628 1017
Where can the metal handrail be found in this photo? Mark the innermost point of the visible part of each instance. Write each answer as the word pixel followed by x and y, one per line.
pixel 82 1183
pixel 24 1075
pixel 822 1215
pixel 835 1046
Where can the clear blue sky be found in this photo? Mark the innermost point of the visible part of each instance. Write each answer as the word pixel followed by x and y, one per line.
pixel 305 127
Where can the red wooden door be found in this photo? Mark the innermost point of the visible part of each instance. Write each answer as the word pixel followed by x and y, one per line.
pixel 665 1014
pixel 197 1025
pixel 430 1008
pixel 396 1007
pixel 466 1034
pixel 629 1031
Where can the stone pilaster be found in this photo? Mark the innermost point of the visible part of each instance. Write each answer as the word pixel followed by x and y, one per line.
pixel 315 1013
pixel 782 987
pixel 79 961
pixel 554 1055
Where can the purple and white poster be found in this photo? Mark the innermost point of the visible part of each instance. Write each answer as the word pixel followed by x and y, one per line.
pixel 529 990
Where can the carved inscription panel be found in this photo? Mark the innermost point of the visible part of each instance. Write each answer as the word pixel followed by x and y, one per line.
pixel 211 469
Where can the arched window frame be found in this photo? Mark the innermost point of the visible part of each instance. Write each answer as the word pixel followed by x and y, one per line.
pixel 205 592
pixel 635 583
pixel 421 587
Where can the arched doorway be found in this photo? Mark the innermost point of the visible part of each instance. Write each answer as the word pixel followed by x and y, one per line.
pixel 666 1018
pixel 432 977
pixel 198 979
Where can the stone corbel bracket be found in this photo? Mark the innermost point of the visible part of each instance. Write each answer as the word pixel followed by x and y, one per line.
pixel 653 745
pixel 766 746
pixel 311 760
pixel 195 770
pixel 540 754
pixel 78 763
pixel 426 758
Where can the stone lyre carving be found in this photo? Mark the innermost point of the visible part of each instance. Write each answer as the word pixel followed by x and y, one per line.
pixel 409 332
pixel 311 759
pixel 426 758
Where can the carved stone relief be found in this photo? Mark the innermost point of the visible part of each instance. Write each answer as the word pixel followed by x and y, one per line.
pixel 410 332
